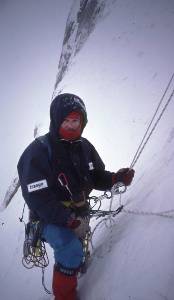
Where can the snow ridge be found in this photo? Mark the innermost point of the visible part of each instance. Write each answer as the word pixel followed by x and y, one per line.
pixel 82 20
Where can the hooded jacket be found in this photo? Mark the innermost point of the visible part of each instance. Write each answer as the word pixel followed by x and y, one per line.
pixel 53 171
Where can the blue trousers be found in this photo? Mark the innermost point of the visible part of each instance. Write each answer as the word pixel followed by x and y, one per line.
pixel 68 250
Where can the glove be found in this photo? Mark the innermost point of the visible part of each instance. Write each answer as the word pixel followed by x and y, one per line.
pixel 124 175
pixel 80 226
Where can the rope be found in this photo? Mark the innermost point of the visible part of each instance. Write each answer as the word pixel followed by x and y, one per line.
pixel 144 139
pixel 136 212
pixel 34 256
pixel 43 282
pixel 164 214
pixel 108 220
pixel 34 250
pixel 22 217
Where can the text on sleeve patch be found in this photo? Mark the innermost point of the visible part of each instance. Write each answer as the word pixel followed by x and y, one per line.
pixel 38 185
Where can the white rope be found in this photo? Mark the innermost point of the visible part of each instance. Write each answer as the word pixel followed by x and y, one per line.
pixel 148 134
pixel 117 189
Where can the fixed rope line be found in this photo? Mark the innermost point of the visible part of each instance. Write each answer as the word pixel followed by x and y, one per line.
pixel 144 139
pixel 108 216
pixel 22 217
pixel 111 214
pixel 146 213
pixel 165 213
pixel 153 128
pixel 43 282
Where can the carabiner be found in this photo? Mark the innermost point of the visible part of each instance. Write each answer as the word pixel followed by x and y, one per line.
pixel 64 182
pixel 118 188
pixel 62 179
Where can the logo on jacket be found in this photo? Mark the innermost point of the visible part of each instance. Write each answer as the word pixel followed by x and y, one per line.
pixel 91 166
pixel 38 185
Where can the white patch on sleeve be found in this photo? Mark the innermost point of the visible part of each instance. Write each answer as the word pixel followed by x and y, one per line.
pixel 91 166
pixel 38 185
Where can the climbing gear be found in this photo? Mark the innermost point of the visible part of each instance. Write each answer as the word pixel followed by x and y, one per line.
pixel 117 189
pixel 148 134
pixel 81 204
pixel 64 182
pixel 23 210
pixel 34 250
pixel 107 215
pixel 86 257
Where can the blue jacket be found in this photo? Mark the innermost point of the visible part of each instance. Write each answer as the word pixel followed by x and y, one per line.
pixel 53 171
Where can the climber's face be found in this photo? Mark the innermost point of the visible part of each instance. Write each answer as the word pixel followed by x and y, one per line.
pixel 71 124
pixel 71 127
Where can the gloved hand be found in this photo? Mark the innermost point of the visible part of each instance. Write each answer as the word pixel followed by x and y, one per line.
pixel 124 175
pixel 80 226
pixel 73 222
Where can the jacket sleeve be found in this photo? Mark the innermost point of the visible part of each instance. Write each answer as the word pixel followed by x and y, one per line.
pixel 37 183
pixel 101 178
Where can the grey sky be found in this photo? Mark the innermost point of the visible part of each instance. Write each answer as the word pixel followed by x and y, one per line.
pixel 31 34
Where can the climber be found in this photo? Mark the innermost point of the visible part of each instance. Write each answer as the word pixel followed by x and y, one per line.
pixel 57 174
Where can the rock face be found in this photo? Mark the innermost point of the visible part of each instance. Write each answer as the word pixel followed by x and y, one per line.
pixel 83 17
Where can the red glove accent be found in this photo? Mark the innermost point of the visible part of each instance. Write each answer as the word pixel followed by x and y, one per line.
pixel 73 223
pixel 124 175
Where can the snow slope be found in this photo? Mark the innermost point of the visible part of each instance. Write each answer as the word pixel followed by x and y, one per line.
pixel 121 73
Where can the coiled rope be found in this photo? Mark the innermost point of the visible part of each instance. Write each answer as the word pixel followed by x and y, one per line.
pixel 34 250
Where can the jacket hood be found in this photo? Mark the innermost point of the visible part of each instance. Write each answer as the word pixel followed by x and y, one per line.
pixel 60 107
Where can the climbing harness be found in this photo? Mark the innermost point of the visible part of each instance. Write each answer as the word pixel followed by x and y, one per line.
pixel 34 250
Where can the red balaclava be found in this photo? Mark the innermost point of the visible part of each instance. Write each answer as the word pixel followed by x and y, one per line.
pixel 72 134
